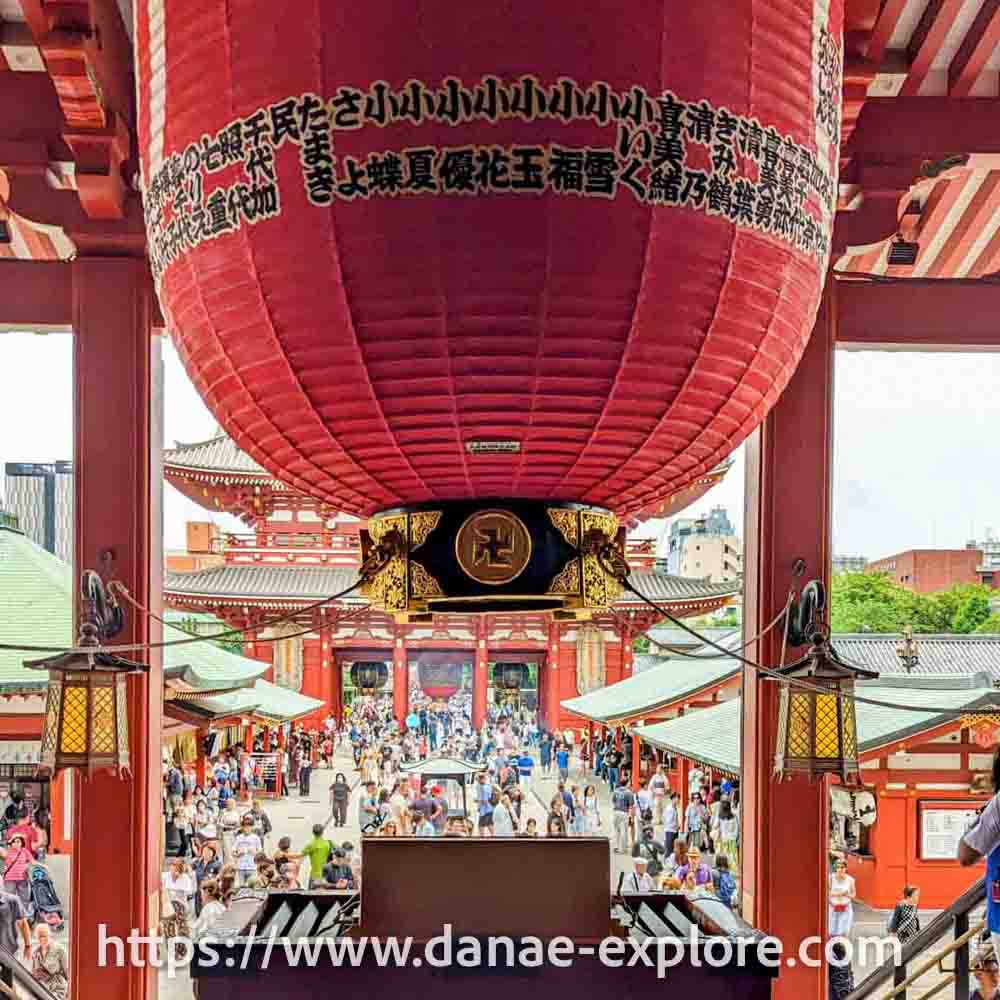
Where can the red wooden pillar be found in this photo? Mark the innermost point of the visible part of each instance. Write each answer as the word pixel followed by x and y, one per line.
pixel 551 713
pixel 480 672
pixel 636 774
pixel 682 778
pixel 200 762
pixel 400 679
pixel 117 491
pixel 336 688
pixel 788 518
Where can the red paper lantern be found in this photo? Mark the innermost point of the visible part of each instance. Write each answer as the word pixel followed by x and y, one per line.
pixel 430 251
pixel 439 681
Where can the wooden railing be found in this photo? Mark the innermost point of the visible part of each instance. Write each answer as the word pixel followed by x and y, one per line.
pixel 954 920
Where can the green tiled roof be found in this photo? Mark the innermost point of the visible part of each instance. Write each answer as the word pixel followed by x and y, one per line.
pixel 36 607
pixel 712 735
pixel 264 700
pixel 671 679
pixel 259 581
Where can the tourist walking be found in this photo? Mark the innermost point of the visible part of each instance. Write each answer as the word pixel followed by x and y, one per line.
pixel 905 922
pixel 623 806
pixel 841 895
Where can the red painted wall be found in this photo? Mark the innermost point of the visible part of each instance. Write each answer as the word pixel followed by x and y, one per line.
pixel 895 846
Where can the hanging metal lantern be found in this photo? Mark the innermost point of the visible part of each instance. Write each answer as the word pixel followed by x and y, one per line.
pixel 817 729
pixel 510 677
pixel 369 676
pixel 86 711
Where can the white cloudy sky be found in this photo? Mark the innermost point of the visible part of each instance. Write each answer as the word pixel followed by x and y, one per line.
pixel 917 459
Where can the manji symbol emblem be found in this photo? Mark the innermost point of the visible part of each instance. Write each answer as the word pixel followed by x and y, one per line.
pixel 493 547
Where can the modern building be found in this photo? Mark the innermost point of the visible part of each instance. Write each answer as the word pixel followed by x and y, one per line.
pixel 926 571
pixel 40 496
pixel 849 564
pixel 705 547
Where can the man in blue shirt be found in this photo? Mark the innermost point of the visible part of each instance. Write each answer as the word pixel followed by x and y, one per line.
pixel 484 801
pixel 525 765
pixel 562 761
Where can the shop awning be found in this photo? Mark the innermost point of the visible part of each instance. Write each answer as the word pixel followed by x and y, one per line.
pixel 264 701
pixel 712 735
pixel 672 679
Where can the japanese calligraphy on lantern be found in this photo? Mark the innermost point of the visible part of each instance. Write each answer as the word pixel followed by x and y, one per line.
pixel 660 151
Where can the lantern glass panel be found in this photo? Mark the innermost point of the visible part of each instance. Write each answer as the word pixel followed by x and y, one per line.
pixel 828 736
pixel 102 736
pixel 50 735
pixel 800 730
pixel 73 735
pixel 850 729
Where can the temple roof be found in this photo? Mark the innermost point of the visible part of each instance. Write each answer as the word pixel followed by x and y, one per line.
pixel 310 583
pixel 217 454
pixel 37 592
pixel 669 680
pixel 937 655
pixel 712 735
pixel 266 701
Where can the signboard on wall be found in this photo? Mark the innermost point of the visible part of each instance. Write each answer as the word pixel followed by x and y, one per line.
pixel 941 827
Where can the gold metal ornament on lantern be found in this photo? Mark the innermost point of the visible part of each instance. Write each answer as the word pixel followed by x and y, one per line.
pixel 86 708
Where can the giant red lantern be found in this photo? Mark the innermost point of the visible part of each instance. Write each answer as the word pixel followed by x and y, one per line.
pixel 439 680
pixel 428 258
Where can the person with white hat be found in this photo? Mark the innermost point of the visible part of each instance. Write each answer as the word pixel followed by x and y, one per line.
pixel 639 880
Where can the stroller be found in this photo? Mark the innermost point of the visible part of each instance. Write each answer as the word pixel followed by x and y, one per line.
pixel 45 905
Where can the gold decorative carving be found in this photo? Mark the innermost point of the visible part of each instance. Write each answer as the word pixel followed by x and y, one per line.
pixel 388 588
pixel 422 584
pixel 493 547
pixel 567 581
pixel 567 522
pixel 379 527
pixel 422 523
pixel 600 590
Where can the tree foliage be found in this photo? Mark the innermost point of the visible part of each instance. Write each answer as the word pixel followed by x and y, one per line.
pixel 871 602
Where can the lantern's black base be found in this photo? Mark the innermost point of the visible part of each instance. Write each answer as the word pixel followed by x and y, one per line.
pixel 499 555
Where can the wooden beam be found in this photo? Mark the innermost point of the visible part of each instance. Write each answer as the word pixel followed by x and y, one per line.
pixel 927 41
pixel 975 50
pixel 888 18
pixel 36 295
pixel 891 129
pixel 950 776
pixel 931 315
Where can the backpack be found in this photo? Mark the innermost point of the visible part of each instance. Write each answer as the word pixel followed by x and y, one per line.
pixel 494 796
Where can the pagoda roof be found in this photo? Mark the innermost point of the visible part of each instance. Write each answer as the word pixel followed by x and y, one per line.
pixel 37 594
pixel 218 454
pixel 712 735
pixel 664 681
pixel 290 582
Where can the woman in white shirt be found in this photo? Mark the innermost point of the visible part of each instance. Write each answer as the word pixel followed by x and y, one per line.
pixel 211 906
pixel 229 823
pixel 591 811
pixel 503 818
pixel 842 892
pixel 179 884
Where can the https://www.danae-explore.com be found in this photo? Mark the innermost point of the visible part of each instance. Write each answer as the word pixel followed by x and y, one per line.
pixel 450 950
